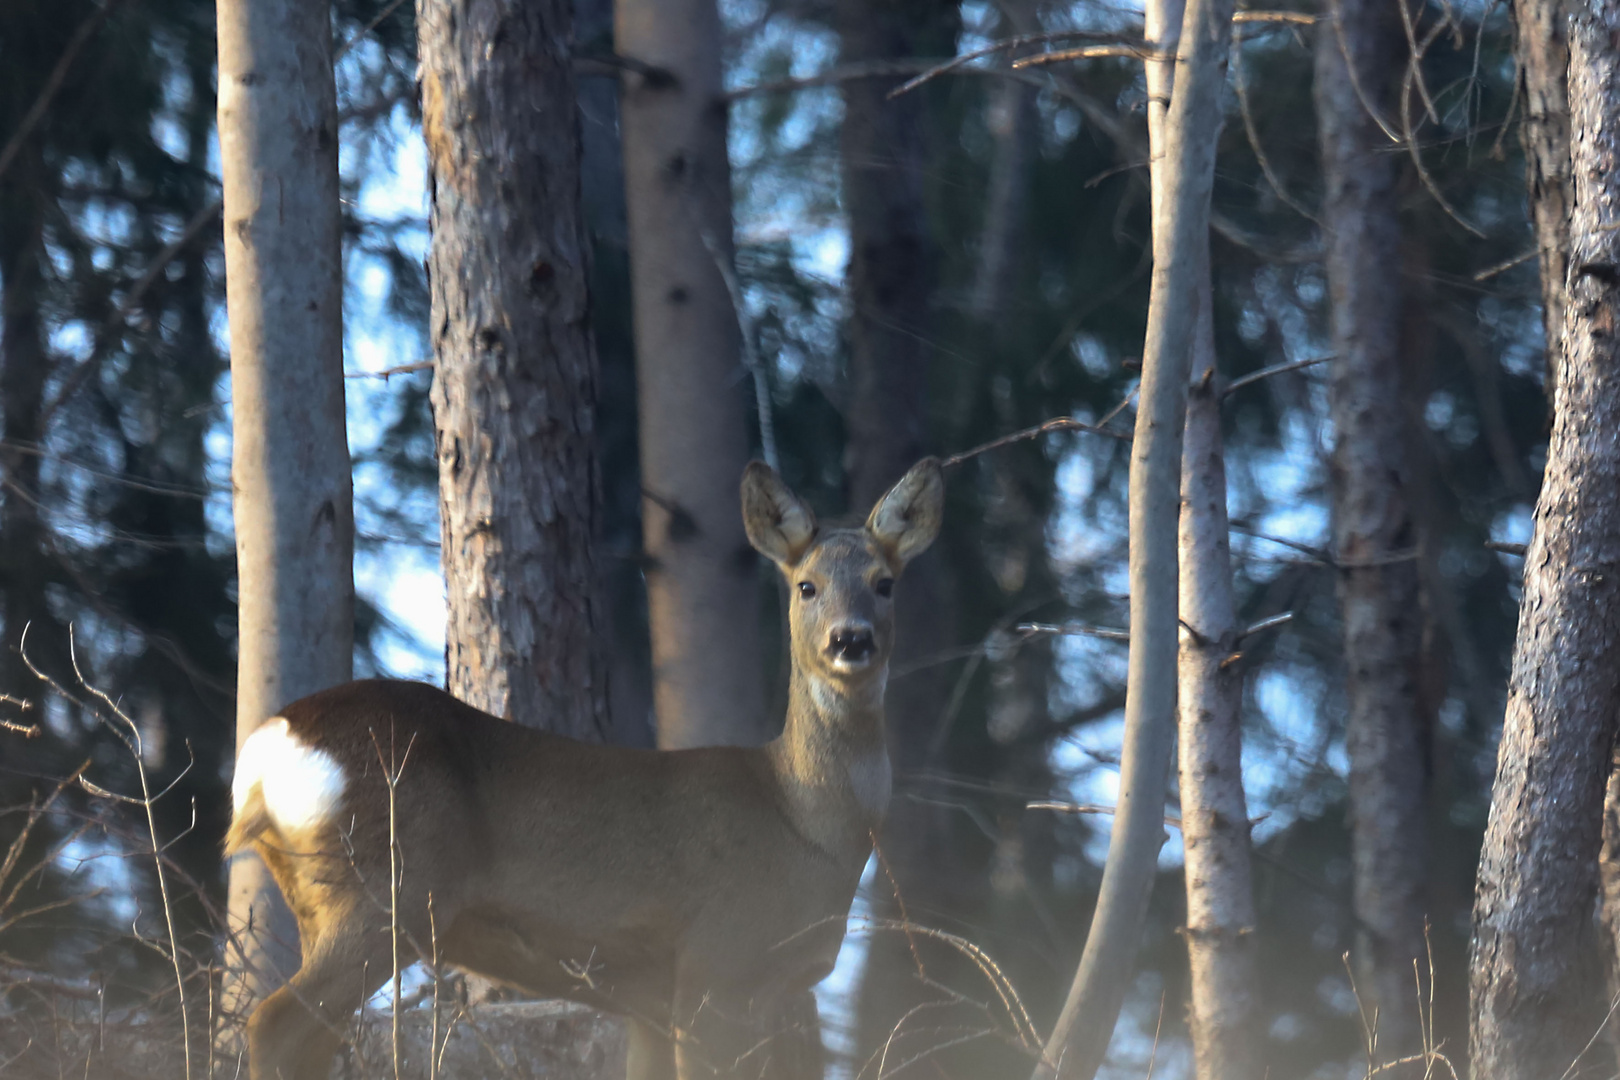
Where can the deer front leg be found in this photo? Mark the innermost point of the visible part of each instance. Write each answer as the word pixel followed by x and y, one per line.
pixel 728 1033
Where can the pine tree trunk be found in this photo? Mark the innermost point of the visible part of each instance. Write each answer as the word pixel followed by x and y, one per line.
pixel 890 281
pixel 278 139
pixel 702 581
pixel 1536 999
pixel 514 387
pixel 1374 534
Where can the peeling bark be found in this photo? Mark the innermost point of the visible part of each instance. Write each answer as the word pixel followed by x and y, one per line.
pixel 514 386
pixel 1536 998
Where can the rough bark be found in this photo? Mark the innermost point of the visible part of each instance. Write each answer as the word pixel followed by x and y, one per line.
pixel 1374 534
pixel 514 386
pixel 293 505
pixel 1080 1037
pixel 1534 998
pixel 1543 54
pixel 702 584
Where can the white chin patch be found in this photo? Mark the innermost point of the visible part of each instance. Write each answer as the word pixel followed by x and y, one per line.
pixel 301 785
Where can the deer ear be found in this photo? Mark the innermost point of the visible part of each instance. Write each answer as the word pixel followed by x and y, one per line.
pixel 906 520
pixel 779 525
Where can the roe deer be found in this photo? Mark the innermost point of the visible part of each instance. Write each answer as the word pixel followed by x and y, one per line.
pixel 694 891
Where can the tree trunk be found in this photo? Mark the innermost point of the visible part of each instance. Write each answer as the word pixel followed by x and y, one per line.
pixel 514 386
pixel 1374 534
pixel 1225 997
pixel 1543 53
pixel 702 581
pixel 278 140
pixel 890 281
pixel 1081 1035
pixel 1535 1000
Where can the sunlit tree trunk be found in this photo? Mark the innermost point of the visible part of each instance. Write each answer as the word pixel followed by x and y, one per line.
pixel 514 387
pixel 1224 990
pixel 1375 537
pixel 702 583
pixel 278 143
pixel 1185 174
pixel 1542 49
pixel 1536 999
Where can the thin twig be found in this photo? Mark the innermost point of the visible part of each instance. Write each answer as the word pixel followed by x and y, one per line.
pixel 1275 369
pixel 1074 629
pixel 1241 85
pixel 751 360
pixel 1018 41
pixel 1062 423
pixel 386 373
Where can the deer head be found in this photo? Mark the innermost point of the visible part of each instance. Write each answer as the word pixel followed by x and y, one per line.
pixel 841 581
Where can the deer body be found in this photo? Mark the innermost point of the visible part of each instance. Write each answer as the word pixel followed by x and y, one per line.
pixel 695 891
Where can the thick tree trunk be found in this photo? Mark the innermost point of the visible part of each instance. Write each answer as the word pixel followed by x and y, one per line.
pixel 514 386
pixel 1535 1000
pixel 1081 1035
pixel 1543 53
pixel 1374 534
pixel 278 141
pixel 702 582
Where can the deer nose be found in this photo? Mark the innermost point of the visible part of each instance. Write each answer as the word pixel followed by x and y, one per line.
pixel 851 643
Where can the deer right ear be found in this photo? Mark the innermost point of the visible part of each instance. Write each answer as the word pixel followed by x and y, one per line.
pixel 779 525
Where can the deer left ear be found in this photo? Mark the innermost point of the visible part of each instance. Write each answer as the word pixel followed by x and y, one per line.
pixel 906 520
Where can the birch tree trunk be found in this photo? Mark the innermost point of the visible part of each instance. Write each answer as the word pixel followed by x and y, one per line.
pixel 1081 1035
pixel 1535 999
pixel 702 584
pixel 514 386
pixel 1214 812
pixel 278 141
pixel 1375 538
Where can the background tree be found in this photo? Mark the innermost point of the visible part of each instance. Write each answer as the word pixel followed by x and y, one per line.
pixel 290 459
pixel 701 579
pixel 1360 60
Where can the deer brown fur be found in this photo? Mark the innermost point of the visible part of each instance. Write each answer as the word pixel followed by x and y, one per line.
pixel 694 891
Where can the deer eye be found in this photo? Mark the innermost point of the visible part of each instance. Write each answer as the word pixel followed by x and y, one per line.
pixel 884 586
pixel 807 591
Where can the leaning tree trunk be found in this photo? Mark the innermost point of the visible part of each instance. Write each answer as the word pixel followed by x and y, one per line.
pixel 1374 533
pixel 278 143
pixel 514 385
pixel 702 585
pixel 1224 990
pixel 1080 1037
pixel 1535 1000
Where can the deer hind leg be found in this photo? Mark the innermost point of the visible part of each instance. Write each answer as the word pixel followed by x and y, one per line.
pixel 296 1031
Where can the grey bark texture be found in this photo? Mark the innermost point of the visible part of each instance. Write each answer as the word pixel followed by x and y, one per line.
pixel 1535 997
pixel 702 579
pixel 293 504
pixel 1375 537
pixel 1080 1038
pixel 514 385
pixel 1542 50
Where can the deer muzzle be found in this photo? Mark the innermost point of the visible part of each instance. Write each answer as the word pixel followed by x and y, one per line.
pixel 851 646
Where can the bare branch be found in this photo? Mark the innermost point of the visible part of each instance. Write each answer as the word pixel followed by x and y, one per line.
pixel 386 373
pixel 53 82
pixel 1275 369
pixel 1074 630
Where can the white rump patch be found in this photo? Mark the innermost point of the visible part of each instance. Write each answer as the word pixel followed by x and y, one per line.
pixel 871 778
pixel 301 785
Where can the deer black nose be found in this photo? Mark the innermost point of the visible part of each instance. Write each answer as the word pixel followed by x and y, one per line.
pixel 851 643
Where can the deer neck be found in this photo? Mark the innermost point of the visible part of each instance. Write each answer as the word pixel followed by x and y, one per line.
pixel 832 762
